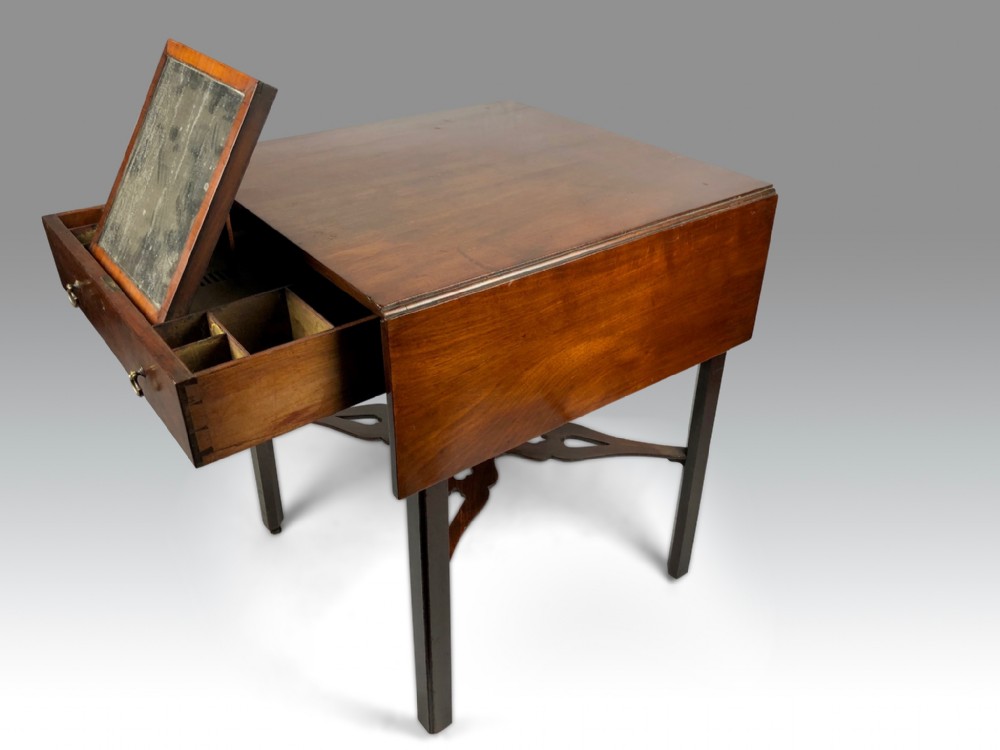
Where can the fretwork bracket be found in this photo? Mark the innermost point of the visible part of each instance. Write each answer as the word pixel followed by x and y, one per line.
pixel 349 421
pixel 370 422
pixel 555 444
pixel 551 445
pixel 475 491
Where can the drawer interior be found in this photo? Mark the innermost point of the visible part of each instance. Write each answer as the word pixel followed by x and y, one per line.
pixel 258 293
pixel 269 345
pixel 242 328
pixel 206 353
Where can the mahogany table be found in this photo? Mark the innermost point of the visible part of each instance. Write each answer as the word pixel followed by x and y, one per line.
pixel 498 271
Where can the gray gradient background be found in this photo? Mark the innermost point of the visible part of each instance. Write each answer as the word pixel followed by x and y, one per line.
pixel 844 583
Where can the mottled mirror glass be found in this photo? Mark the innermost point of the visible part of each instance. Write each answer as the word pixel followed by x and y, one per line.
pixel 168 175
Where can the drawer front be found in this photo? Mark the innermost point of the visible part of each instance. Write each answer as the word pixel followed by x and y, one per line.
pixel 239 404
pixel 220 392
pixel 124 329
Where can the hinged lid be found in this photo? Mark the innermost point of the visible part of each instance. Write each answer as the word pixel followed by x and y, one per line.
pixel 190 148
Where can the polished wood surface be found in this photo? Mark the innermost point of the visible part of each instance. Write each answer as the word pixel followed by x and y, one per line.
pixel 476 376
pixel 422 209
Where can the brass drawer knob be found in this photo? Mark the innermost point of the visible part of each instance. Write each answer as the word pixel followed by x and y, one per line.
pixel 133 378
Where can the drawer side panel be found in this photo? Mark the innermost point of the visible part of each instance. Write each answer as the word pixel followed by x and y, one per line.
pixel 241 404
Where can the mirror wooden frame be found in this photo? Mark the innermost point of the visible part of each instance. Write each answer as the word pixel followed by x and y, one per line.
pixel 220 190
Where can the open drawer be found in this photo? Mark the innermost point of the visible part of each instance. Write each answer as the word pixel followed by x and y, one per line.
pixel 270 345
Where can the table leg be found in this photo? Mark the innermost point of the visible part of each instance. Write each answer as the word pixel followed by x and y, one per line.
pixel 265 472
pixel 706 398
pixel 430 592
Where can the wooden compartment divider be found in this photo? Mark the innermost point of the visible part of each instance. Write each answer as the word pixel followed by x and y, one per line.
pixel 205 353
pixel 270 319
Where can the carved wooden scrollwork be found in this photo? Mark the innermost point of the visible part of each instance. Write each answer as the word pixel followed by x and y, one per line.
pixel 371 422
pixel 597 445
pixel 475 489
pixel 352 422
pixel 552 445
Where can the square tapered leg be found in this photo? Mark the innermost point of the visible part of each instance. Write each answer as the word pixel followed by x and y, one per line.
pixel 265 471
pixel 706 399
pixel 430 591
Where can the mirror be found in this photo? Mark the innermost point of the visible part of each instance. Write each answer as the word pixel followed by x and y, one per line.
pixel 168 175
pixel 178 179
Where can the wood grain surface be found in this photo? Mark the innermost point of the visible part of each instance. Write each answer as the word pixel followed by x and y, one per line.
pixel 476 376
pixel 426 208
pixel 242 403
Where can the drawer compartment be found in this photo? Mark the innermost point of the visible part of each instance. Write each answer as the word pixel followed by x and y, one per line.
pixel 268 320
pixel 251 366
pixel 207 353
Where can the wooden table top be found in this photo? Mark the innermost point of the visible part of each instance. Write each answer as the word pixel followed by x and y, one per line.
pixel 415 211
